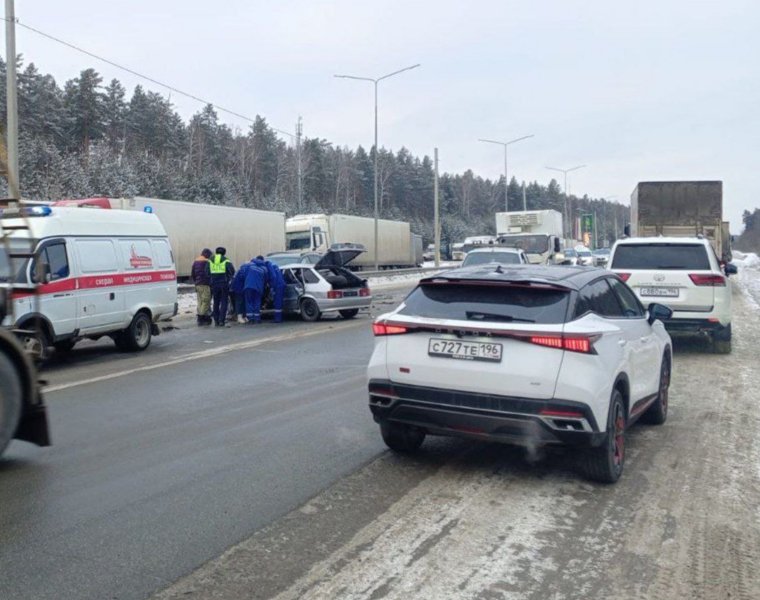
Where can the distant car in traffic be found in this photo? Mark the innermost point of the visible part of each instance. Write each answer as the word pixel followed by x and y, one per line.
pixel 585 257
pixel 601 256
pixel 684 274
pixel 496 254
pixel 327 286
pixel 534 355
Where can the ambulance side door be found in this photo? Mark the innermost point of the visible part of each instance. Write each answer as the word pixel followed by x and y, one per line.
pixel 101 302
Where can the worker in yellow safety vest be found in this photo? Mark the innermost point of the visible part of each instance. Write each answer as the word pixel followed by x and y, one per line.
pixel 222 272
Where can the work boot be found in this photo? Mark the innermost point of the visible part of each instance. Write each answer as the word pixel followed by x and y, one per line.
pixel 241 319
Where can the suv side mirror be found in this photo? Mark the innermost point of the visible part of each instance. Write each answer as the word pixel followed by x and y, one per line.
pixel 658 312
pixel 730 269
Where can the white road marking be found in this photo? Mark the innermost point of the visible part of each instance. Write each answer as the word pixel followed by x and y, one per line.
pixel 207 353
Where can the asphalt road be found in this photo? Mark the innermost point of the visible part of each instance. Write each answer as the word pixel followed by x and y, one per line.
pixel 462 520
pixel 231 464
pixel 163 459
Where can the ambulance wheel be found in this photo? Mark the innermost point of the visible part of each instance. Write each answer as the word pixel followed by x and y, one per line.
pixel 136 337
pixel 35 342
pixel 310 310
pixel 10 401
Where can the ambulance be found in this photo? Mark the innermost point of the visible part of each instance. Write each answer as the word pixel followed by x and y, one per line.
pixel 99 273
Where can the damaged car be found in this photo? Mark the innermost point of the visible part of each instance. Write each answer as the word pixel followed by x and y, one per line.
pixel 327 286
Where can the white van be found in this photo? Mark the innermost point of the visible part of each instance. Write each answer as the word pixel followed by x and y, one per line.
pixel 101 272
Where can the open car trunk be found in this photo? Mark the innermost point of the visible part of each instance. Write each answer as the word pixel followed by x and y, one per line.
pixel 332 266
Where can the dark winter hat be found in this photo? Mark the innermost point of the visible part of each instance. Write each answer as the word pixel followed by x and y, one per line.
pixel 221 250
pixel 206 252
pixel 259 257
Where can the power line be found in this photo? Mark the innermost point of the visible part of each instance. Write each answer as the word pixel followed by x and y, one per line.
pixel 140 75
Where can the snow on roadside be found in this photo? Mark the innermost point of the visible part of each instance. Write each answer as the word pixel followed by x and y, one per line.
pixel 748 277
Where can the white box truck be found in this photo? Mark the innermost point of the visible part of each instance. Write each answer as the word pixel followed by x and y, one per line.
pixel 537 232
pixel 244 232
pixel 318 232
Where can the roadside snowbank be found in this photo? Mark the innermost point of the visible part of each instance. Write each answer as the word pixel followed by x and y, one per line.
pixel 748 277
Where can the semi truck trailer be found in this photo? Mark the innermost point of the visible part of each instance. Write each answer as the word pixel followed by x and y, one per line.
pixel 397 245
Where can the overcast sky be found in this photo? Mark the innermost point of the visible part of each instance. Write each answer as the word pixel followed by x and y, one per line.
pixel 646 90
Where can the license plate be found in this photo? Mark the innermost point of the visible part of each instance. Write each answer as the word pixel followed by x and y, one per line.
pixel 485 351
pixel 669 292
pixel 350 294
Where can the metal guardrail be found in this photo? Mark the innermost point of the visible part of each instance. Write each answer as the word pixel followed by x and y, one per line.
pixel 187 288
pixel 391 272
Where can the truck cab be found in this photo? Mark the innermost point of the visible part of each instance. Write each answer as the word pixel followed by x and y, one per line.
pixel 23 414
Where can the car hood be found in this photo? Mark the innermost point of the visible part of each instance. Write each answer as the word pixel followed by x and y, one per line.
pixel 339 255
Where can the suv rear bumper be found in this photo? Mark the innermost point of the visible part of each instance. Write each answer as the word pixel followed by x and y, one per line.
pixel 507 419
pixel 695 326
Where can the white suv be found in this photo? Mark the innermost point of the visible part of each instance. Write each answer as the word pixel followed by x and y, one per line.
pixel 685 275
pixel 495 254
pixel 529 355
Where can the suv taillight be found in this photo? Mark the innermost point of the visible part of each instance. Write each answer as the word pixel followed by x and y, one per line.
pixel 711 280
pixel 380 329
pixel 624 276
pixel 575 343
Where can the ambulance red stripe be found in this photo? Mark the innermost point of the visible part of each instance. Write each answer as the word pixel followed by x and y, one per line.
pixel 71 284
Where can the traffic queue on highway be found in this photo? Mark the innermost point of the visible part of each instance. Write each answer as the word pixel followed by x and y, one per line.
pixel 500 349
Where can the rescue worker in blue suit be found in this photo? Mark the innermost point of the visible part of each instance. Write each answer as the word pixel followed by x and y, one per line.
pixel 277 287
pixel 222 273
pixel 256 277
pixel 237 288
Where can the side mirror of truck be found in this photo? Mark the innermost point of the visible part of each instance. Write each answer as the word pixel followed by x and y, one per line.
pixel 556 245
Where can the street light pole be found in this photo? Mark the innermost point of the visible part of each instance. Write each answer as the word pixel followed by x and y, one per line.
pixel 565 172
pixel 11 101
pixel 506 172
pixel 375 81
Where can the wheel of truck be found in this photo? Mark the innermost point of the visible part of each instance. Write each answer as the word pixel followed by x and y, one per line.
pixel 721 341
pixel 349 313
pixel 401 438
pixel 604 463
pixel 10 401
pixel 35 342
pixel 137 336
pixel 310 309
pixel 658 412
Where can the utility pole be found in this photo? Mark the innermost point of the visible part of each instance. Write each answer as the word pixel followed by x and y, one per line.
pixel 436 215
pixel 525 204
pixel 299 132
pixel 11 101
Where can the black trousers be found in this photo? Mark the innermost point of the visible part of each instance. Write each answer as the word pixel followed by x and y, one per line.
pixel 220 296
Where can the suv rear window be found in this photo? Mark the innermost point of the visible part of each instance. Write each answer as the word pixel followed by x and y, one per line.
pixel 481 258
pixel 488 303
pixel 658 257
